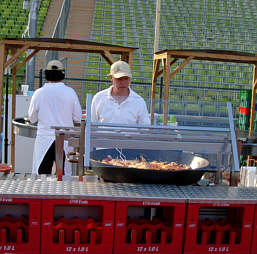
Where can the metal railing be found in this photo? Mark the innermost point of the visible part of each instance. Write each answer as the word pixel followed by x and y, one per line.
pixel 60 29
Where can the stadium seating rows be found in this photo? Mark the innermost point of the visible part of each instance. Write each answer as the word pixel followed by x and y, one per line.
pixel 192 24
pixel 14 20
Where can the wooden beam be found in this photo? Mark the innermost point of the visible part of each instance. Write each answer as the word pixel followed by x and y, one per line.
pixel 252 112
pixel 254 84
pixel 173 61
pixel 16 55
pixel 161 71
pixel 130 59
pixel 107 59
pixel 200 55
pixel 178 68
pixel 124 57
pixel 166 69
pixel 109 56
pixel 18 66
pixel 2 60
pixel 156 65
pixel 160 56
pixel 68 45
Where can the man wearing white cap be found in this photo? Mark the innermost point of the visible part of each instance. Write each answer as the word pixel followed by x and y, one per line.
pixel 54 104
pixel 119 103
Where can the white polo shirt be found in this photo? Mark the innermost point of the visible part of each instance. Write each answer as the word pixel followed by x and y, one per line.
pixel 54 104
pixel 106 109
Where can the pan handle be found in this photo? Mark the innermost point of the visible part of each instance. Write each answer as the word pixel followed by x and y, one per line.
pixel 72 154
pixel 212 169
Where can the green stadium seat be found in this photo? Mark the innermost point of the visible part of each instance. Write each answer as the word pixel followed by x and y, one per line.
pixel 176 108
pixel 189 98
pixel 209 110
pixel 193 109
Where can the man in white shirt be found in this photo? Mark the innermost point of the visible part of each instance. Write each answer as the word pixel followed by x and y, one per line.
pixel 54 104
pixel 119 103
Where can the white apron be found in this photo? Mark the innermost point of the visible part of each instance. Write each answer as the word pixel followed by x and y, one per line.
pixel 42 144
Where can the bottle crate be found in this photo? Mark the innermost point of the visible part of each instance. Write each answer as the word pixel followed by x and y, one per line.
pixel 254 234
pixel 245 104
pixel 246 95
pixel 20 225
pixel 245 111
pixel 149 227
pixel 243 122
pixel 77 226
pixel 218 228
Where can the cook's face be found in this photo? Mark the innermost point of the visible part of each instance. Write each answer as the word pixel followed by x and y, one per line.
pixel 121 83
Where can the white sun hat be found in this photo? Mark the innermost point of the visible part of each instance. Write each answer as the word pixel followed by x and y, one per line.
pixel 120 69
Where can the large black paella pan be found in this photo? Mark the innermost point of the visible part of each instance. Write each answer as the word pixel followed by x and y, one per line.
pixel 198 166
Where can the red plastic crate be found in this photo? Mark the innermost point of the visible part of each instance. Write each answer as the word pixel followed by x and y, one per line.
pixel 254 235
pixel 162 233
pixel 20 225
pixel 218 228
pixel 68 226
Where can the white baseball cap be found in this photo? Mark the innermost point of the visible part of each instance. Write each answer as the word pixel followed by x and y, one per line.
pixel 54 65
pixel 120 69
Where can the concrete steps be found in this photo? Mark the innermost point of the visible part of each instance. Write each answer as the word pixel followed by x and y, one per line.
pixel 78 27
pixel 46 32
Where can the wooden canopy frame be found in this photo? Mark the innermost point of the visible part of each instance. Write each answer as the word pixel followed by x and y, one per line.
pixel 169 57
pixel 16 47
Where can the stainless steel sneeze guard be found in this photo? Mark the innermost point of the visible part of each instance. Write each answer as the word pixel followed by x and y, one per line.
pixel 219 141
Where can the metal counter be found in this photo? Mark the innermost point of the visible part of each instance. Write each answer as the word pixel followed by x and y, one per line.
pixel 43 186
pixel 219 194
pixel 47 187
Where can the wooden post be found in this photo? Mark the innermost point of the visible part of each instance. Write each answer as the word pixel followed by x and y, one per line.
pixel 2 60
pixel 130 60
pixel 156 64
pixel 166 70
pixel 252 112
pixel 125 57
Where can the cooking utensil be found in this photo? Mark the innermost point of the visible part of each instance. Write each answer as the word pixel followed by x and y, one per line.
pixel 198 166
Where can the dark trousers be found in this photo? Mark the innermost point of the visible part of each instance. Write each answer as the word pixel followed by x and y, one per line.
pixel 48 161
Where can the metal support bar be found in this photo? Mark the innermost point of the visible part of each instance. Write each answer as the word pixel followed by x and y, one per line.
pixel 81 150
pixel 59 144
pixel 88 131
pixel 233 137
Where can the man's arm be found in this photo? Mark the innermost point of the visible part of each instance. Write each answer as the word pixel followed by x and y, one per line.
pixel 94 117
pixel 33 108
pixel 77 112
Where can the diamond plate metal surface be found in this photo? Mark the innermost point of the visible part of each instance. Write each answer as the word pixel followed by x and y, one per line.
pixel 48 187
pixel 219 194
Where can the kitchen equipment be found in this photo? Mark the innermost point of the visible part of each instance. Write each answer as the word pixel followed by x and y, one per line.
pixel 198 166
pixel 23 127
